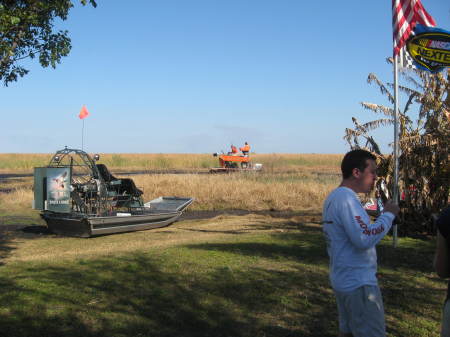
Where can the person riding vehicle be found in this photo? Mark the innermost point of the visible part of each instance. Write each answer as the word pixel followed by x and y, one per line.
pixel 234 150
pixel 245 149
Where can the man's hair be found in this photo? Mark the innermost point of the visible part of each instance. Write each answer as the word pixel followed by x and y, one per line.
pixel 355 159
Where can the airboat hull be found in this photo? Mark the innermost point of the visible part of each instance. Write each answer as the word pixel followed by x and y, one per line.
pixel 157 213
pixel 231 170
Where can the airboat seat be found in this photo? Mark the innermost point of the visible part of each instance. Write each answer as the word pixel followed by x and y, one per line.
pixel 104 172
pixel 120 186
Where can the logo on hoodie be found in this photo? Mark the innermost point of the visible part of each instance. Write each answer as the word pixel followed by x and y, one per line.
pixel 366 230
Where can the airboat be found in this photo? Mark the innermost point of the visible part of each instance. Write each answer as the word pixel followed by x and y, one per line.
pixel 79 197
pixel 234 163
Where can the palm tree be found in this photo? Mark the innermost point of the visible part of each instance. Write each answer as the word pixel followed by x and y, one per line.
pixel 424 173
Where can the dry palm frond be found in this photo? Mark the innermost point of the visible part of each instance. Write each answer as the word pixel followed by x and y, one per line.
pixel 351 136
pixel 373 145
pixel 410 92
pixel 446 113
pixel 372 125
pixel 378 108
pixel 409 102
pixel 353 133
pixel 410 139
pixel 358 127
pixel 412 80
pixel 373 78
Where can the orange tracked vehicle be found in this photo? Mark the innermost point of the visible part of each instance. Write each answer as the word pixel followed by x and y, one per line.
pixel 234 162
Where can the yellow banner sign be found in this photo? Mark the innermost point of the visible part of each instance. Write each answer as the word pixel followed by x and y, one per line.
pixel 430 48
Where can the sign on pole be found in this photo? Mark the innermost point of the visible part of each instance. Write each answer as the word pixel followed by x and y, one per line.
pixel 430 48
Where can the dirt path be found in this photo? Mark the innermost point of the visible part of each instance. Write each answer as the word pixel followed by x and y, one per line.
pixel 5 176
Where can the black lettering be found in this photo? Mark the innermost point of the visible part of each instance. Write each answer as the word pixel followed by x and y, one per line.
pixel 434 54
pixel 423 52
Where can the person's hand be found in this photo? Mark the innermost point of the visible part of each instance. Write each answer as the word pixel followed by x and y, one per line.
pixel 391 207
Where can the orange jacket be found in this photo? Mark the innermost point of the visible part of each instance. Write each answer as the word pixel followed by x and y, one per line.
pixel 245 148
pixel 234 149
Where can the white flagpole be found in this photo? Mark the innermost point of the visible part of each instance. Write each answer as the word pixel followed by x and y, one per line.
pixel 396 104
pixel 82 136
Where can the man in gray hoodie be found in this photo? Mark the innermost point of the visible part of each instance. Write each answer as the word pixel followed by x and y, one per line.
pixel 351 240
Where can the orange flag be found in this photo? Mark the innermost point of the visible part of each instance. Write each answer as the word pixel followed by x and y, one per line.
pixel 83 113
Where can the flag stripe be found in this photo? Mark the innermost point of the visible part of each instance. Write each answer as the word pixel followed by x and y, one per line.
pixel 402 15
pixel 426 19
pixel 405 15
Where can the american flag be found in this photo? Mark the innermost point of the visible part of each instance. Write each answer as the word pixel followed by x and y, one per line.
pixel 405 15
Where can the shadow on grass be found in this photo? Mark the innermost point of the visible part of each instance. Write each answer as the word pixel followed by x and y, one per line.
pixel 135 296
pixel 411 289
pixel 11 227
pixel 275 286
pixel 408 300
pixel 6 247
pixel 264 226
pixel 153 295
pixel 409 254
pixel 297 247
pixel 196 214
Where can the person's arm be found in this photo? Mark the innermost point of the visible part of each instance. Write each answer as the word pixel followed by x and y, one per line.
pixel 441 257
pixel 441 264
pixel 357 224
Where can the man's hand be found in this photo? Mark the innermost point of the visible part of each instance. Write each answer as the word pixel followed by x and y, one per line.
pixel 391 207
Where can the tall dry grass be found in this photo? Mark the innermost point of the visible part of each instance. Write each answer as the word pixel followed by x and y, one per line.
pixel 288 181
pixel 20 162
pixel 144 162
pixel 242 191
pixel 251 191
pixel 16 200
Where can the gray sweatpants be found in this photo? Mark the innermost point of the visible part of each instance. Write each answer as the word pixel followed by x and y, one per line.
pixel 361 312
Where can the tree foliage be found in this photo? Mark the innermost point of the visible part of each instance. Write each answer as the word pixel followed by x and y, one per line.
pixel 424 166
pixel 27 31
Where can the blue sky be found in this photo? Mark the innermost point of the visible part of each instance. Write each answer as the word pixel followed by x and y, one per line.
pixel 178 76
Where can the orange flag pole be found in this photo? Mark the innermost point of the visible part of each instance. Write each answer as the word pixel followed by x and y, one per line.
pixel 82 115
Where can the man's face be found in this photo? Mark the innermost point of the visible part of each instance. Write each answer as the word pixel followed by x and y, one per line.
pixel 366 179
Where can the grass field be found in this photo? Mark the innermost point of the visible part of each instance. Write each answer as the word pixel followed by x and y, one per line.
pixel 262 273
pixel 288 182
pixel 159 161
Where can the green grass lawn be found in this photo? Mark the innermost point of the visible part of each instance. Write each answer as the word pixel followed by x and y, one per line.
pixel 228 276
